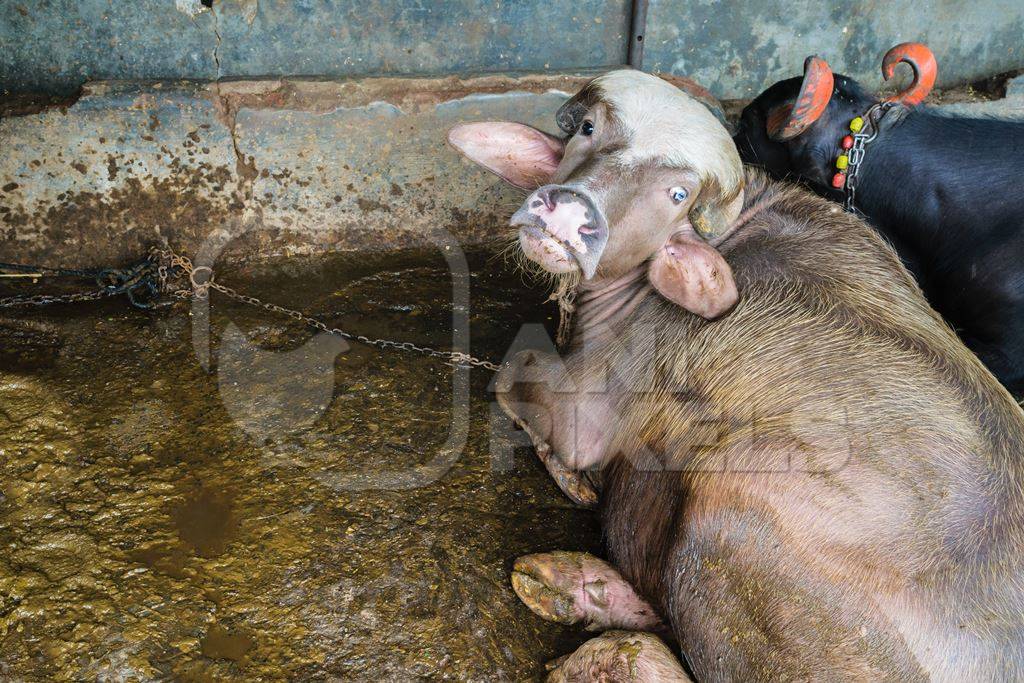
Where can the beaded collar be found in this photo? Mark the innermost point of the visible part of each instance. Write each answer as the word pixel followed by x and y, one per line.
pixel 863 130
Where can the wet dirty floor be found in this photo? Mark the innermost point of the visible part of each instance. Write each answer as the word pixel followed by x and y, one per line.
pixel 164 521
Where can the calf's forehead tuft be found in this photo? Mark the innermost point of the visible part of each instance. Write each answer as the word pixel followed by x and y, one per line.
pixel 664 124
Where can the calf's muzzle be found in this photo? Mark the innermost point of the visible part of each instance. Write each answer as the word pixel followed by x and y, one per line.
pixel 561 229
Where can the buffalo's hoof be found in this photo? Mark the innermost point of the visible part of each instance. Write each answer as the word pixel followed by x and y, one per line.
pixel 572 588
pixel 573 484
pixel 619 656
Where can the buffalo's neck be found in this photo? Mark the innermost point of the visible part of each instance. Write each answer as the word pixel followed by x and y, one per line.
pixel 934 181
pixel 604 306
pixel 893 187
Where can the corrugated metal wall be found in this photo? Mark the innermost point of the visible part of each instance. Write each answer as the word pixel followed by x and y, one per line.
pixel 56 44
pixel 735 47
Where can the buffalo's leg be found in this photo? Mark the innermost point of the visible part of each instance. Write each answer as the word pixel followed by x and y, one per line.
pixel 571 588
pixel 620 656
pixel 576 485
pixel 570 428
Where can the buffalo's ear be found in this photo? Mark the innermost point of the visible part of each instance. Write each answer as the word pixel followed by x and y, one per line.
pixel 691 273
pixel 519 154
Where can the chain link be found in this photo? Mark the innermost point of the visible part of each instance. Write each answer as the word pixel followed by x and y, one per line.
pixel 146 281
pixel 201 279
pixel 873 118
pixel 47 299
pixel 133 281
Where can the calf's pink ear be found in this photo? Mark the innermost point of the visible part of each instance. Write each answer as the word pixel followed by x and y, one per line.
pixel 521 155
pixel 691 273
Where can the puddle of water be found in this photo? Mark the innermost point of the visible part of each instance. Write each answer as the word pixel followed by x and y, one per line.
pixel 219 643
pixel 165 521
pixel 205 522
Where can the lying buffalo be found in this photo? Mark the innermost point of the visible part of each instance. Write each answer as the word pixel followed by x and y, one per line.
pixel 804 473
pixel 943 189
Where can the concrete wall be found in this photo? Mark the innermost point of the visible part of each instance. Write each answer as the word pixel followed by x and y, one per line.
pixel 271 167
pixel 735 47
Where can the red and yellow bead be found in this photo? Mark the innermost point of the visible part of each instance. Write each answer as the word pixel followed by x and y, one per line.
pixel 843 160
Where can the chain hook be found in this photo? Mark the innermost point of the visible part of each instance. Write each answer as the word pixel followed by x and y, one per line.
pixel 201 279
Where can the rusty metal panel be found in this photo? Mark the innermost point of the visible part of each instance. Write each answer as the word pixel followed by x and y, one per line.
pixel 54 46
pixel 736 48
pixel 416 37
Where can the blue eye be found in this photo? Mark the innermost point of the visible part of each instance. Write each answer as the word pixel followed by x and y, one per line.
pixel 587 128
pixel 678 194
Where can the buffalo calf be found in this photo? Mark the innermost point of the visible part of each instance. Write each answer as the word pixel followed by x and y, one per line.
pixel 805 474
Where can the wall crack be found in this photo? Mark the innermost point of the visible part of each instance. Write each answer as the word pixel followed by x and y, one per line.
pixel 216 48
pixel 245 167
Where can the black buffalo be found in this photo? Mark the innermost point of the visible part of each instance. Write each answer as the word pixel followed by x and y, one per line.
pixel 945 190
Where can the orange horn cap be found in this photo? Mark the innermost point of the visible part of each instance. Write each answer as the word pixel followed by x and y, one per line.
pixel 922 61
pixel 788 121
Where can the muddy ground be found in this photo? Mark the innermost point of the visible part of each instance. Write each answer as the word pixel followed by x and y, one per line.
pixel 164 522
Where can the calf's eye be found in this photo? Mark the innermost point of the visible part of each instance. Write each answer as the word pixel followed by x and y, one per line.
pixel 678 194
pixel 587 128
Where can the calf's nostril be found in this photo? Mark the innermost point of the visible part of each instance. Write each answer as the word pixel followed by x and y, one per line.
pixel 548 197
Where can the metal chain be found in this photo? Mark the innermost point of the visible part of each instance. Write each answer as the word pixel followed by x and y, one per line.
pixel 46 299
pixel 872 118
pixel 145 281
pixel 201 279
pixel 134 281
